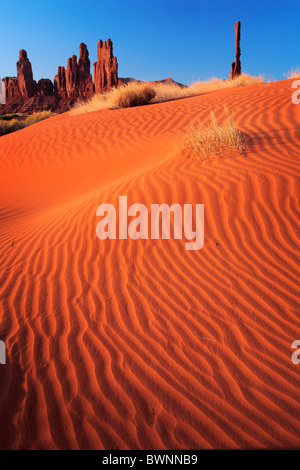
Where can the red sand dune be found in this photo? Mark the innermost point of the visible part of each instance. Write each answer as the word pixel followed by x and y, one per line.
pixel 123 344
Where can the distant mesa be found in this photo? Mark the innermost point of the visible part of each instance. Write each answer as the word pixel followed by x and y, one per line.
pixel 24 94
pixel 166 81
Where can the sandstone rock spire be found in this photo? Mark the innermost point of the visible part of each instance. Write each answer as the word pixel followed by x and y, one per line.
pixel 236 66
pixel 106 67
pixel 26 83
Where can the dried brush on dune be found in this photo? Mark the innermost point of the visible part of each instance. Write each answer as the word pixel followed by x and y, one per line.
pixel 165 92
pixel 37 117
pixel 11 125
pixel 215 140
pixel 125 96
pixel 138 94
pixel 8 126
pixel 293 73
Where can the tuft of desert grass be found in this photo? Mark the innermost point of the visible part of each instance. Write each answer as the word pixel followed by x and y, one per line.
pixel 12 125
pixel 8 126
pixel 36 117
pixel 137 94
pixel 165 92
pixel 293 73
pixel 125 96
pixel 215 140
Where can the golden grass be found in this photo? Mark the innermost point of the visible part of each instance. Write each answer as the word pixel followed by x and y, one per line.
pixel 36 117
pixel 215 140
pixel 6 127
pixel 137 94
pixel 12 125
pixel 125 96
pixel 293 73
pixel 165 92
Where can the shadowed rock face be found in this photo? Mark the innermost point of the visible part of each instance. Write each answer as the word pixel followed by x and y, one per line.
pixel 11 87
pixel 84 63
pixel 236 66
pixel 70 84
pixel 72 77
pixel 60 82
pixel 85 80
pixel 45 87
pixel 106 67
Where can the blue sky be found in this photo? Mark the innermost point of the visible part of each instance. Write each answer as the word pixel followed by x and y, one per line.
pixel 186 40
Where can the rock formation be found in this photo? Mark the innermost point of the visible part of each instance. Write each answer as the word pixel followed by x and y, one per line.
pixel 236 66
pixel 72 77
pixel 79 82
pixel 85 80
pixel 11 88
pixel 45 87
pixel 70 84
pixel 26 84
pixel 106 67
pixel 75 81
pixel 60 82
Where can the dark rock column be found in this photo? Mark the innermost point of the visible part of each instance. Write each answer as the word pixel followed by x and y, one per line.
pixel 60 82
pixel 236 66
pixel 26 83
pixel 72 77
pixel 85 80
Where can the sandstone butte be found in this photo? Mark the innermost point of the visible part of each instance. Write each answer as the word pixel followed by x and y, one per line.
pixel 24 94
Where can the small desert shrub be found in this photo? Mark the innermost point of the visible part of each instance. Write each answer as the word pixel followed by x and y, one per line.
pixel 137 94
pixel 36 117
pixel 125 96
pixel 293 73
pixel 12 125
pixel 215 140
pixel 132 95
pixel 6 127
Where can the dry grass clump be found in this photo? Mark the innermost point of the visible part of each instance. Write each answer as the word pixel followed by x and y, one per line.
pixel 165 92
pixel 8 125
pixel 125 96
pixel 36 117
pixel 138 94
pixel 132 94
pixel 293 73
pixel 215 140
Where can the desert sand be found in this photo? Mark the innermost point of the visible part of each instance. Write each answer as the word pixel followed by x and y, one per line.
pixel 140 344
